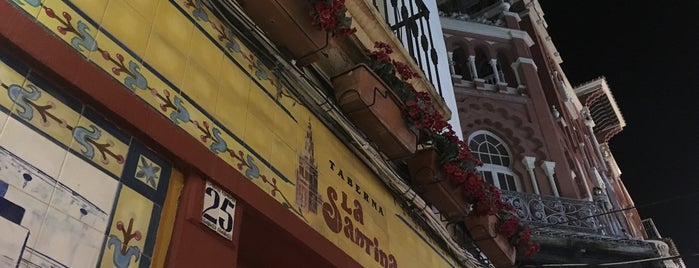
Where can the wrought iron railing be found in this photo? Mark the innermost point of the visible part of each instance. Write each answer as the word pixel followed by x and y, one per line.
pixel 410 21
pixel 549 212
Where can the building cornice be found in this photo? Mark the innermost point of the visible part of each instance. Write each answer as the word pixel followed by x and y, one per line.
pixel 485 30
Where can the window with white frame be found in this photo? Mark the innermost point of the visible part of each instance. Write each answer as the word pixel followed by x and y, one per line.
pixel 496 159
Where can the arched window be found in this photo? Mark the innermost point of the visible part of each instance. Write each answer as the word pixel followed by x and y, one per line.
pixel 496 159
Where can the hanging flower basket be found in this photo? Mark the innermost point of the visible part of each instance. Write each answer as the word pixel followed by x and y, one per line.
pixel 288 25
pixel 431 182
pixel 376 110
pixel 495 246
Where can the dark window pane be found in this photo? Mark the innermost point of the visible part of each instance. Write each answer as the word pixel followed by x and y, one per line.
pixel 491 149
pixel 479 138
pixel 496 160
pixel 501 149
pixel 482 148
pixel 502 181
pixel 511 183
pixel 485 158
pixel 492 139
pixel 488 176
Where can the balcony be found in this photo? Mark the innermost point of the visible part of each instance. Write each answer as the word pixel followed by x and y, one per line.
pixel 579 230
pixel 563 214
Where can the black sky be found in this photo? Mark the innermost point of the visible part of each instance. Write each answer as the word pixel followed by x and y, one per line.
pixel 649 53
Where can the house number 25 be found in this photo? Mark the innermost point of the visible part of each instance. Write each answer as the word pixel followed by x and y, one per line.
pixel 219 210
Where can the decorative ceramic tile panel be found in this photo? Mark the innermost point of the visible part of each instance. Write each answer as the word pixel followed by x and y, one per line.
pixel 73 28
pixel 129 230
pixel 146 173
pixel 68 241
pixel 79 187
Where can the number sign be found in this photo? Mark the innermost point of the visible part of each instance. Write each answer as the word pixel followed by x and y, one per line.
pixel 219 210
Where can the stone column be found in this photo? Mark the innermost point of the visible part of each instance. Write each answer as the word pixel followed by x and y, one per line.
pixel 548 168
pixel 515 69
pixel 450 55
pixel 472 67
pixel 496 73
pixel 529 163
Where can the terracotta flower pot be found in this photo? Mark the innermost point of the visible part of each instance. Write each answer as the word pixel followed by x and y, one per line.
pixel 432 183
pixel 485 233
pixel 287 24
pixel 376 110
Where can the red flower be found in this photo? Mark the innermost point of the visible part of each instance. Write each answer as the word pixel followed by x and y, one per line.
pixel 510 227
pixel 331 16
pixel 326 17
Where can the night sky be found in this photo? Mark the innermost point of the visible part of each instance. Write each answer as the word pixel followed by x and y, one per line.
pixel 649 53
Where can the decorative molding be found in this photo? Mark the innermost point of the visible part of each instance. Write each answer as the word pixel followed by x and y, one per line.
pixel 521 60
pixel 512 14
pixel 485 30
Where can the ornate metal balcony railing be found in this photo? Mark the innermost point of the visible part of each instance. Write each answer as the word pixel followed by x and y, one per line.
pixel 549 212
pixel 410 21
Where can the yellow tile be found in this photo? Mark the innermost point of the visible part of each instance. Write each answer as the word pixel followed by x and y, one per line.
pixel 159 96
pixel 108 48
pixel 198 125
pixel 208 26
pixel 290 132
pixel 232 102
pixel 173 26
pixel 200 86
pixel 166 59
pixel 262 106
pixel 100 146
pixel 205 53
pixel 127 25
pixel 93 8
pixel 260 73
pixel 49 115
pixel 233 77
pixel 31 9
pixel 146 8
pixel 232 146
pixel 284 159
pixel 258 135
pixel 8 77
pixel 241 55
pixel 70 33
pixel 133 212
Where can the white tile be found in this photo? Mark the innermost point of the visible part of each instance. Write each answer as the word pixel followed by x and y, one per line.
pixel 94 189
pixel 68 241
pixel 77 206
pixel 23 176
pixel 34 211
pixel 11 242
pixel 32 147
pixel 33 259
